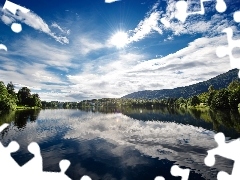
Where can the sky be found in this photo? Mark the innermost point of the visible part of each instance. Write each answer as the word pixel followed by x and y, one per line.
pixel 76 50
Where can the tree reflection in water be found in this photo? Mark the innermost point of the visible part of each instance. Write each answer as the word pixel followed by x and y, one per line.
pixel 219 121
pixel 19 118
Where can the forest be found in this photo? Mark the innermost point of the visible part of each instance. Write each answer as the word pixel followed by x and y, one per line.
pixel 224 98
pixel 23 99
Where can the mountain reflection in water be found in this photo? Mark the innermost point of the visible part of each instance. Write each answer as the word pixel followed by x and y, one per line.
pixel 122 143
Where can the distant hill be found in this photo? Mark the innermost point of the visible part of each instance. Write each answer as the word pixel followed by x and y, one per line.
pixel 218 82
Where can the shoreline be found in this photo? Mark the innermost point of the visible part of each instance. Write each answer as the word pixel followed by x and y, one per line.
pixel 26 108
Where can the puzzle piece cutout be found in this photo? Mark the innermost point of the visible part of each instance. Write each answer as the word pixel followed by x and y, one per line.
pixel 35 165
pixel 236 16
pixel 13 8
pixel 182 6
pixel 228 150
pixel 32 169
pixel 177 171
pixel 222 51
pixel 111 1
pixel 5 156
pixel 2 46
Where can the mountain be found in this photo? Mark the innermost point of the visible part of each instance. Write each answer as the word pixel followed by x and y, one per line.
pixel 218 82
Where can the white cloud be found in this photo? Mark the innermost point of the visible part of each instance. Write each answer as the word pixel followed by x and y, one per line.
pixel 197 62
pixel 56 96
pixel 55 25
pixel 33 75
pixel 157 21
pixel 126 73
pixel 33 20
pixel 105 77
pixel 147 26
pixel 120 73
pixel 46 54
pixel 40 74
pixel 7 20
pixel 31 65
pixel 86 45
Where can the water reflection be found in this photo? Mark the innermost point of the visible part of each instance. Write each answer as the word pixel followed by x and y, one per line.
pixel 19 118
pixel 227 121
pixel 133 144
pixel 22 117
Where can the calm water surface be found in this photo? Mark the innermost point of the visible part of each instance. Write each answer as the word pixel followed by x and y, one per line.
pixel 122 144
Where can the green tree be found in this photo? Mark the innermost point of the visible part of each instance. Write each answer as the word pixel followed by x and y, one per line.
pixel 7 102
pixel 210 98
pixel 11 92
pixel 234 85
pixel 210 95
pixel 180 102
pixel 193 101
pixel 23 95
pixel 220 100
pixel 34 101
pixel 210 88
pixel 3 89
pixel 234 98
pixel 66 105
pixel 10 88
pixel 37 100
pixel 203 97
pixel 4 105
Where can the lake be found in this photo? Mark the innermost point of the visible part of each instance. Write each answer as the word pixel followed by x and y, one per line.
pixel 122 144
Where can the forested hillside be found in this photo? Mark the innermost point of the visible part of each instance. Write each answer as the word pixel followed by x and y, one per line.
pixel 218 82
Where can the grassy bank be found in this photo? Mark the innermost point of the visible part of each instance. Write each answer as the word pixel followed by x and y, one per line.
pixel 26 107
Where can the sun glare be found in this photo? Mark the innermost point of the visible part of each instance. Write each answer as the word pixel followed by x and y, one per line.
pixel 119 39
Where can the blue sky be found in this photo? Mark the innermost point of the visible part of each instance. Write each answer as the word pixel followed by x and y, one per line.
pixel 74 50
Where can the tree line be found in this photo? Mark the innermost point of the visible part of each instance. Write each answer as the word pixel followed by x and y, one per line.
pixel 225 98
pixel 10 100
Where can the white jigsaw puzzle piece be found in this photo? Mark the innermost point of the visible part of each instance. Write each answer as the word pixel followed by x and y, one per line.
pixel 5 156
pixel 221 6
pixel 33 169
pixel 222 51
pixel 182 14
pixel 177 171
pixel 111 1
pixel 2 46
pixel 159 178
pixel 63 164
pixel 12 7
pixel 236 16
pixel 228 150
pixel 35 165
pixel 85 177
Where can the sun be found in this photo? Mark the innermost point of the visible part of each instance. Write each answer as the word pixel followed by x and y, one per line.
pixel 119 39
